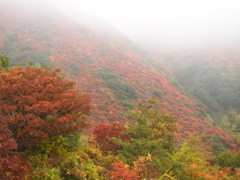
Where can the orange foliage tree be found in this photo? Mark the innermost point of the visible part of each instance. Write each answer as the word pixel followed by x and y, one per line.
pixel 122 171
pixel 38 103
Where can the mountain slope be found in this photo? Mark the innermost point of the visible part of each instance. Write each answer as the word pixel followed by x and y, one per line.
pixel 115 73
pixel 210 74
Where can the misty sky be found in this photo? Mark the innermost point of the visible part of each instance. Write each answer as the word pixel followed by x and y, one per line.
pixel 165 20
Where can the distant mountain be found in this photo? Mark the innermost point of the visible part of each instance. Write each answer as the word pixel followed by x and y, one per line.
pixel 104 63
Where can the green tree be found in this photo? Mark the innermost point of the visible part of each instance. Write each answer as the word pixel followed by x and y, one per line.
pixel 237 123
pixel 209 118
pixel 228 159
pixel 184 164
pixel 237 118
pixel 225 122
pixel 238 138
pixel 151 133
pixel 232 116
pixel 4 62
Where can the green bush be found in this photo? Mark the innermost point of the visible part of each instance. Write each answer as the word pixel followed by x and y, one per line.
pixel 89 59
pixel 158 93
pixel 12 37
pixel 228 159
pixel 122 90
pixel 128 104
pixel 74 68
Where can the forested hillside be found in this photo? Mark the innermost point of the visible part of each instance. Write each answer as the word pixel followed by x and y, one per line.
pixel 118 76
pixel 210 75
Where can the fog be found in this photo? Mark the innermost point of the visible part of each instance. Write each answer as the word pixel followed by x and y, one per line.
pixel 165 22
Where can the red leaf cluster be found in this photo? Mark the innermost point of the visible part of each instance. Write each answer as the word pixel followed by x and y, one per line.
pixel 121 171
pixel 9 160
pixel 105 131
pixel 38 103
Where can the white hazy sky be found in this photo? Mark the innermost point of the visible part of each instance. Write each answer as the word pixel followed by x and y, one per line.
pixel 164 20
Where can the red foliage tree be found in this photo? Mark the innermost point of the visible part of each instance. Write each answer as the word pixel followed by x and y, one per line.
pixel 37 103
pixel 105 131
pixel 9 160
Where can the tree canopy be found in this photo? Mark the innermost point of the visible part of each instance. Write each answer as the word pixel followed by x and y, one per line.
pixel 38 103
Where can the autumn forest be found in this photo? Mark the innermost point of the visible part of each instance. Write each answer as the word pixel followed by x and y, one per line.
pixel 80 102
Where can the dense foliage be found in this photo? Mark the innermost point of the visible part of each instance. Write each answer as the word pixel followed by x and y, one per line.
pixel 211 75
pixel 9 159
pixel 36 104
pixel 42 116
pixel 114 71
pixel 152 132
pixel 41 137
